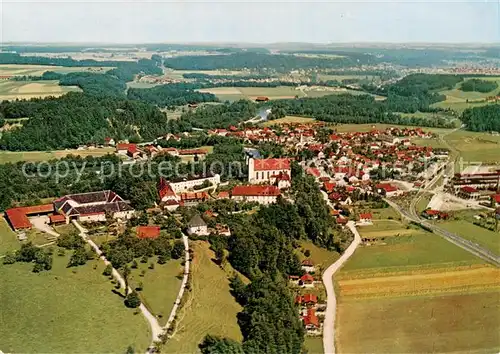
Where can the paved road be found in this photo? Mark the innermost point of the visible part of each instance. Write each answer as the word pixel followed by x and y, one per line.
pixel 467 245
pixel 331 304
pixel 156 329
pixel 183 284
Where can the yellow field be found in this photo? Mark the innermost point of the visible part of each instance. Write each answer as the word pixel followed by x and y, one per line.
pixel 288 120
pixel 35 156
pixel 467 279
pixel 11 90
pixel 38 70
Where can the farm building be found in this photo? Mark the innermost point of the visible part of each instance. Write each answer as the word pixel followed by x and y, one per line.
pixel 93 206
pixel 18 217
pixel 261 99
pixel 264 194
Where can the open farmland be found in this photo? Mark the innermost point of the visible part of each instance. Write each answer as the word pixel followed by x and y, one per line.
pixel 273 93
pixel 66 310
pixel 208 308
pixel 11 90
pixel 475 147
pixel 385 228
pixel 35 156
pixel 420 324
pixel 38 70
pixel 8 238
pixel 474 233
pixel 288 120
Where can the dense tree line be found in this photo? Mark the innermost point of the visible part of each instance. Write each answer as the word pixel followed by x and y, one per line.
pixel 251 60
pixel 478 85
pixel 482 119
pixel 178 94
pixel 77 118
pixel 202 76
pixel 14 58
pixel 350 109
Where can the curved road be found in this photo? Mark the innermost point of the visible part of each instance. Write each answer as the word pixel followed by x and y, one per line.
pixel 331 304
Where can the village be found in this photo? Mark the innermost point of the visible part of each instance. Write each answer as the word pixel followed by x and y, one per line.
pixel 355 171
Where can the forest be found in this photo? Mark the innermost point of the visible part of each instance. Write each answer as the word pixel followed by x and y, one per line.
pixel 478 85
pixel 252 60
pixel 482 119
pixel 349 109
pixel 78 118
pixel 177 94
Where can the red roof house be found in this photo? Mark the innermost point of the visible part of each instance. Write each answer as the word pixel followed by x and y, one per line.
pixel 257 190
pixel 148 231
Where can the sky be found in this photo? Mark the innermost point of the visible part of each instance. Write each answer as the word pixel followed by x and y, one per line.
pixel 331 21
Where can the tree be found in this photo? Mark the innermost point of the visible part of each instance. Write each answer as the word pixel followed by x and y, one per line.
pixel 9 258
pixel 130 350
pixel 132 300
pixel 108 270
pixel 126 274
pixel 79 257
pixel 178 249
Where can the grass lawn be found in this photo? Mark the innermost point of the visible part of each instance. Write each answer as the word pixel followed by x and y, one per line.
pixel 421 324
pixel 423 202
pixel 385 213
pixel 66 310
pixel 8 238
pixel 209 308
pixel 314 345
pixel 288 120
pixel 35 156
pixel 11 90
pixel 320 256
pixel 161 286
pixel 385 228
pixel 422 249
pixel 476 234
pixel 475 147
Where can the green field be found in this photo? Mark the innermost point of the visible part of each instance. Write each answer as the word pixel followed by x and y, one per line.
pixel 421 249
pixel 35 156
pixel 451 323
pixel 288 120
pixel 475 147
pixel 476 234
pixel 459 100
pixel 314 345
pixel 161 286
pixel 208 308
pixel 38 70
pixel 8 238
pixel 66 310
pixel 320 256
pixel 11 90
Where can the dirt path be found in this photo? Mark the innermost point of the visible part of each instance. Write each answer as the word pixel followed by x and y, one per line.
pixel 331 304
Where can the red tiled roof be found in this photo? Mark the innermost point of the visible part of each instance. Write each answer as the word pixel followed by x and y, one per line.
pixel 165 189
pixel 18 219
pixel 132 149
pixel 223 195
pixel 313 171
pixel 365 216
pixel 255 191
pixel 148 231
pixel 329 186
pixel 307 262
pixel 271 164
pixel 311 318
pixel 387 187
pixel 432 212
pixel 57 218
pixel 468 189
pixel 307 278
pixel 122 146
pixel 310 298
pixel 496 198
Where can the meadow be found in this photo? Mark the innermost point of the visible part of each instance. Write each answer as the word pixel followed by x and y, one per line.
pixel 8 238
pixel 36 156
pixel 420 324
pixel 474 146
pixel 474 233
pixel 208 307
pixel 38 70
pixel 11 90
pixel 321 257
pixel 289 120
pixel 160 286
pixel 66 310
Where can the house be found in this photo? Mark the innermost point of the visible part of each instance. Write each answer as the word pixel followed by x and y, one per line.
pixel 223 195
pixel 168 198
pixel 306 281
pixel 263 194
pixel 495 200
pixel 468 192
pixel 109 141
pixel 282 180
pixel 310 320
pixel 122 148
pixel 187 183
pixel 18 217
pixel 57 219
pixel 93 206
pixel 306 299
pixel 151 232
pixel 196 226
pixel 388 189
pixel 308 266
pixel 261 99
pixel 262 170
pixel 365 219
pixel 193 198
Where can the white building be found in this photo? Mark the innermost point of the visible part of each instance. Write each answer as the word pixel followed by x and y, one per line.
pixel 93 206
pixel 263 170
pixel 265 194
pixel 185 184
pixel 197 226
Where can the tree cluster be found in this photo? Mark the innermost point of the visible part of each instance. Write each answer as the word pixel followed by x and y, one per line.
pixel 482 119
pixel 478 85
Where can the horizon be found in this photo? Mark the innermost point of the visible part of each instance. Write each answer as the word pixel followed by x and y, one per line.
pixel 238 22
